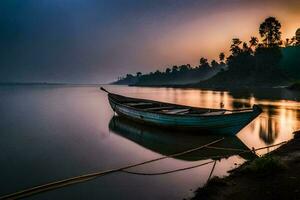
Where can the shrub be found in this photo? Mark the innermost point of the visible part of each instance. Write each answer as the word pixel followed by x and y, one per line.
pixel 265 165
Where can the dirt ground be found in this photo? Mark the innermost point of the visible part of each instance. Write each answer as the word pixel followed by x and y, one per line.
pixel 279 184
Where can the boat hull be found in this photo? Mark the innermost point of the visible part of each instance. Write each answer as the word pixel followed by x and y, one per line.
pixel 228 124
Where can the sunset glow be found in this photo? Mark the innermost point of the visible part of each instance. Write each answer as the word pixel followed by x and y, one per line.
pixel 91 39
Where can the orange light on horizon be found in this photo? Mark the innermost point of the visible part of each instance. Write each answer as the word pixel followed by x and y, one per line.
pixel 207 38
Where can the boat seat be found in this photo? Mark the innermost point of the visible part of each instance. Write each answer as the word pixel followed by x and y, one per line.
pixel 177 111
pixel 139 104
pixel 159 108
pixel 214 113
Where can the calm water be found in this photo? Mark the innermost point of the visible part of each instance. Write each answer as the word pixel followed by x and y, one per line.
pixel 51 132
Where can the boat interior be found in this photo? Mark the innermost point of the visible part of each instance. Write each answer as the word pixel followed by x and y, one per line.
pixel 154 106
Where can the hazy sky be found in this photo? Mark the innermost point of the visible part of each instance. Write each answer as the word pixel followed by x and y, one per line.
pixel 95 41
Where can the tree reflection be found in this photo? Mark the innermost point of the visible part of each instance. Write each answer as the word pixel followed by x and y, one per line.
pixel 268 129
pixel 269 126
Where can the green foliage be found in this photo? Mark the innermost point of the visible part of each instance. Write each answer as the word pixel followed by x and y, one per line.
pixel 266 165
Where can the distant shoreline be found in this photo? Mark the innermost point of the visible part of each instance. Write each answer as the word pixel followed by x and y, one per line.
pixel 49 84
pixel 194 86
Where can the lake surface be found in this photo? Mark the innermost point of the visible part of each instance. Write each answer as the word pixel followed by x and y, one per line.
pixel 50 133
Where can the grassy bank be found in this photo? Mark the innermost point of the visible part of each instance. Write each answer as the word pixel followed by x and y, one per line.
pixel 274 176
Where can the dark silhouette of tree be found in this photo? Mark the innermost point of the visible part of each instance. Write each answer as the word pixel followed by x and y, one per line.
pixel 168 71
pixel 222 57
pixel 297 37
pixel 253 42
pixel 235 46
pixel 269 30
pixel 288 42
pixel 214 64
pixel 157 72
pixel 250 64
pixel 246 48
pixel 203 61
pixel 174 69
pixel 129 76
pixel 183 68
pixel 267 61
pixel 138 74
pixel 293 40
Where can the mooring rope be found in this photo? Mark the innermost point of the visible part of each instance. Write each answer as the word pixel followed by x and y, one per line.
pixel 241 151
pixel 225 148
pixel 273 145
pixel 86 177
pixel 167 172
pixel 212 170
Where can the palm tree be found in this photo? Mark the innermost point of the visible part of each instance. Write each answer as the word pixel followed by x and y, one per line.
pixel 253 42
pixel 269 30
pixel 235 46
pixel 222 57
pixel 246 48
pixel 203 61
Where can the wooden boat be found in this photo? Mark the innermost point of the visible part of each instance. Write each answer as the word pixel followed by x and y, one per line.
pixel 167 142
pixel 175 116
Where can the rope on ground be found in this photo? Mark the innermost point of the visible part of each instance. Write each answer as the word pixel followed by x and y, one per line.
pixel 212 170
pixel 166 172
pixel 86 177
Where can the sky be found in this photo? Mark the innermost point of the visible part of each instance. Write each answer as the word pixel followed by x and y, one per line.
pixel 96 41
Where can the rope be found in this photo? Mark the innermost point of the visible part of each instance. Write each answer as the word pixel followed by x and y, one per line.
pixel 225 148
pixel 212 170
pixel 86 177
pixel 211 157
pixel 273 145
pixel 166 172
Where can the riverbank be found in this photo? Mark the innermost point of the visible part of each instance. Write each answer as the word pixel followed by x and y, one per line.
pixel 274 176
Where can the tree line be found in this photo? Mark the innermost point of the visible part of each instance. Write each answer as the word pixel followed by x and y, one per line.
pixel 256 58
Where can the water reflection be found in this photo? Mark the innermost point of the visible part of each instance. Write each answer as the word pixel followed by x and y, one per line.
pixel 280 117
pixel 167 142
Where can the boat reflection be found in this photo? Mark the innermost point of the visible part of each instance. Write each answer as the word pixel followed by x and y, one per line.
pixel 168 142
